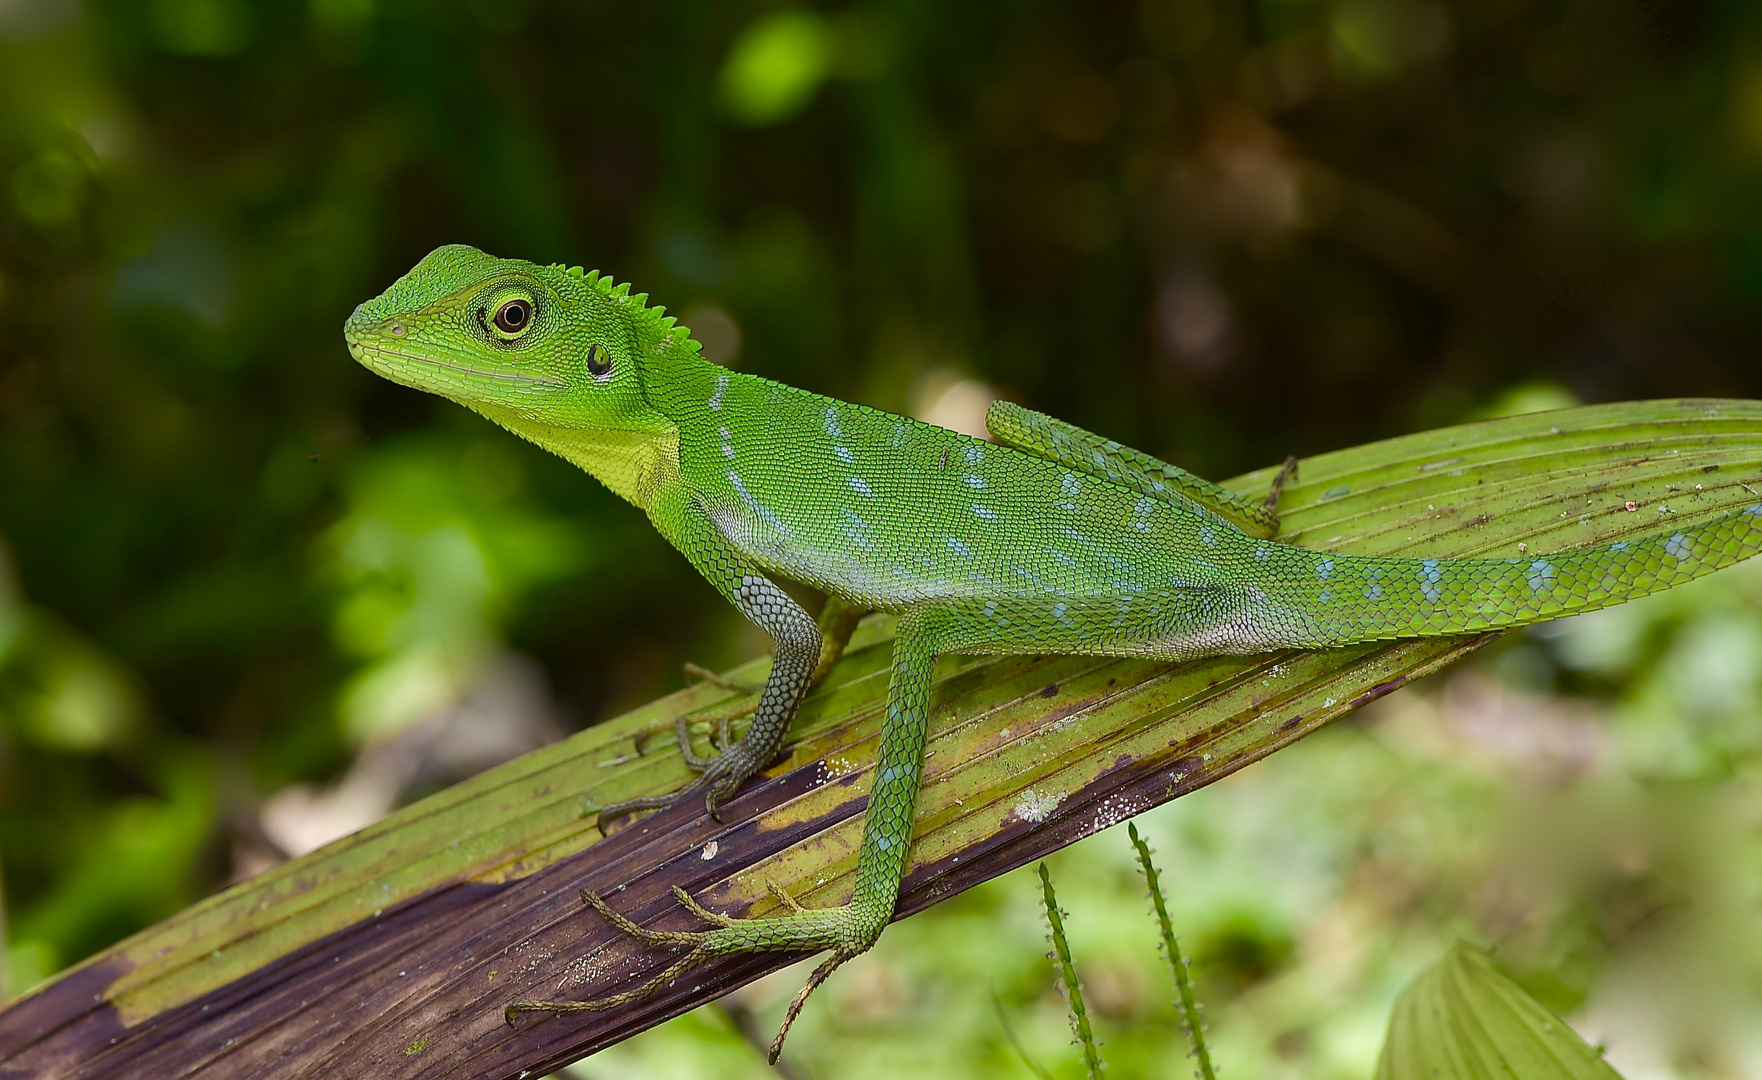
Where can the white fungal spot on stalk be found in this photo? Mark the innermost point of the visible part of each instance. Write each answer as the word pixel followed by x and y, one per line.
pixel 1035 807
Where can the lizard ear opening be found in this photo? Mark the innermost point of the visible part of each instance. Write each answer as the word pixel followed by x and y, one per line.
pixel 599 361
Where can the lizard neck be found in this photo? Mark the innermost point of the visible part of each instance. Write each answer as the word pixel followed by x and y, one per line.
pixel 636 464
pixel 636 454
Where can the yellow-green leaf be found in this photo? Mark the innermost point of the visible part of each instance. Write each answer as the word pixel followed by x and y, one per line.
pixel 1462 1019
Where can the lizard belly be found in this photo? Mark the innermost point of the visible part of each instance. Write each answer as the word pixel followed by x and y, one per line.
pixel 874 583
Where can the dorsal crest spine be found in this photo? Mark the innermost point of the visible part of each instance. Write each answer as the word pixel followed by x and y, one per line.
pixel 652 323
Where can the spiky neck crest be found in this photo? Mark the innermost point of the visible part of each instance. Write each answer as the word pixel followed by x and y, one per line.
pixel 657 333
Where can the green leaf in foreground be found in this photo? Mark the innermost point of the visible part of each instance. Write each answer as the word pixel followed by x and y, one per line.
pixel 1462 1020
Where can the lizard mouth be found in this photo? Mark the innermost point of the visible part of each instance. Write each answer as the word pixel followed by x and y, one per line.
pixel 361 350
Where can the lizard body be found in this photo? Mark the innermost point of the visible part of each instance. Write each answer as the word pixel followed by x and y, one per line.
pixel 1058 542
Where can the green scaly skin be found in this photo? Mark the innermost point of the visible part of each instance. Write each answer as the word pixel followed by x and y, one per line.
pixel 1059 542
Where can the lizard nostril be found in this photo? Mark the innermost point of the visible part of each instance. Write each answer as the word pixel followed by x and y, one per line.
pixel 397 329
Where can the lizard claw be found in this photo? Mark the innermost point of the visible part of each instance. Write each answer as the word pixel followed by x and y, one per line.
pixel 701 950
pixel 703 947
pixel 722 775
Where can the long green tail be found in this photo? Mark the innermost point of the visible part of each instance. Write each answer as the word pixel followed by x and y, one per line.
pixel 1342 599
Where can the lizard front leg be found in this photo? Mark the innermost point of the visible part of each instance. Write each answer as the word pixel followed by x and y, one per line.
pixel 847 930
pixel 797 655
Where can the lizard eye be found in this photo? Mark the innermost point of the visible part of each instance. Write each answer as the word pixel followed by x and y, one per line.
pixel 513 317
pixel 598 361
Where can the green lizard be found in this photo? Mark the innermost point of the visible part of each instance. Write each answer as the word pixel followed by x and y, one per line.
pixel 1057 541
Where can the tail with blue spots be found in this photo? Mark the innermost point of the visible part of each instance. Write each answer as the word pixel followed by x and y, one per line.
pixel 1342 599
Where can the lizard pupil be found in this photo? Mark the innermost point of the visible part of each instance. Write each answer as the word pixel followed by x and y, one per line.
pixel 598 363
pixel 513 316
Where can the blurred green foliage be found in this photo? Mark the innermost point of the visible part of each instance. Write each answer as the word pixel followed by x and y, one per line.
pixel 243 575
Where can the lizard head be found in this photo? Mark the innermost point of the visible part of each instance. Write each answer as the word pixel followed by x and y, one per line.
pixel 529 346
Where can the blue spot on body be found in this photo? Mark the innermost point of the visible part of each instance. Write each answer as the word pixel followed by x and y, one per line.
pixel 844 454
pixel 985 512
pixel 1540 576
pixel 857 530
pixel 1429 577
pixel 756 506
pixel 1324 568
pixel 974 481
pixel 857 485
pixel 959 548
pixel 1207 535
pixel 1679 548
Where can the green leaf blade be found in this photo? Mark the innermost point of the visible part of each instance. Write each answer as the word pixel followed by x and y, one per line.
pixel 1462 1019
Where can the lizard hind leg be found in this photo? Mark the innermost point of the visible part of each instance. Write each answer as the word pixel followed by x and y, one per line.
pixel 1287 471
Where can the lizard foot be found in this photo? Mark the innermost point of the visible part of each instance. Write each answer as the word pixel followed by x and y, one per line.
pixel 1287 471
pixel 720 715
pixel 718 777
pixel 807 929
pixel 704 674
